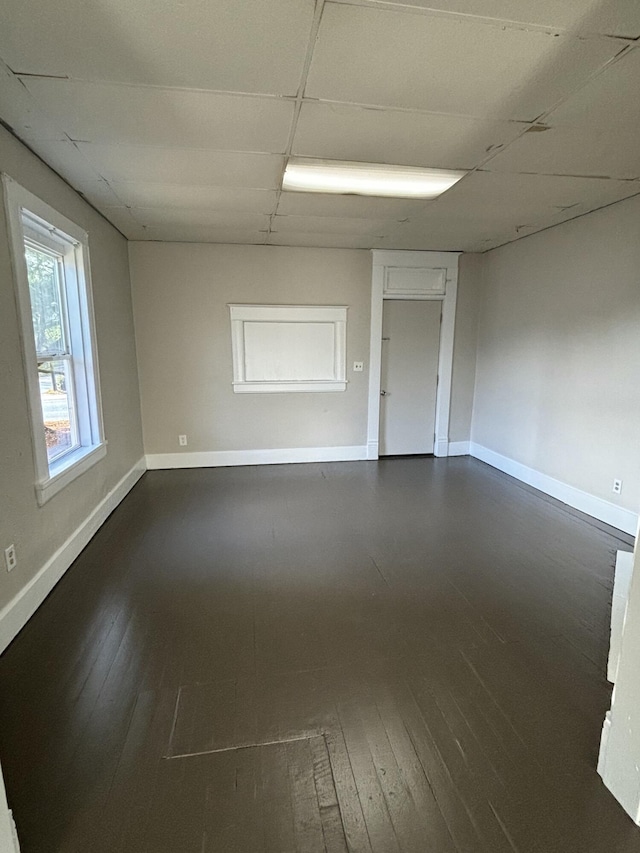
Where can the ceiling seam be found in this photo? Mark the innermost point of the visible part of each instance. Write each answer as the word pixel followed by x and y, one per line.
pixel 313 35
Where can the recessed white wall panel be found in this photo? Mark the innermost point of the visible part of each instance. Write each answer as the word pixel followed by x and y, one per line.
pixel 251 46
pixel 189 166
pixel 414 281
pixel 372 56
pixel 289 352
pixel 344 132
pixel 283 348
pixel 139 115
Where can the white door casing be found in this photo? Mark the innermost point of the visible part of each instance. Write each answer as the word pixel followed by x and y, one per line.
pixel 413 275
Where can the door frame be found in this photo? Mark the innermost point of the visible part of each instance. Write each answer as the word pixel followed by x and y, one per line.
pixel 383 261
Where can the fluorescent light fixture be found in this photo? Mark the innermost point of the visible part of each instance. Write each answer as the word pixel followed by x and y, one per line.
pixel 338 176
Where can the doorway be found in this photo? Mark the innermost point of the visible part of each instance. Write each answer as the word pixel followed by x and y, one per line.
pixel 406 276
pixel 409 376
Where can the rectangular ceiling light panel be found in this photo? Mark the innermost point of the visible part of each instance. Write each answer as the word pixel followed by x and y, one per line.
pixel 344 178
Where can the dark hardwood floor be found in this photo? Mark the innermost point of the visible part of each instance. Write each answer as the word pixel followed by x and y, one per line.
pixel 398 656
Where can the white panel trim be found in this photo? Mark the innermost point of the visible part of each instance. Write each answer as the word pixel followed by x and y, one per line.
pixel 425 260
pixel 402 282
pixel 286 381
pixel 279 387
pixel 14 616
pixel 459 448
pixel 616 516
pixel 275 456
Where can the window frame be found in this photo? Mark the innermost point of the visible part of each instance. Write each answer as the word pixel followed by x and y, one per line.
pixel 60 236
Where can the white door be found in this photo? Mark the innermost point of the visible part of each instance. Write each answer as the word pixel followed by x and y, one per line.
pixel 410 348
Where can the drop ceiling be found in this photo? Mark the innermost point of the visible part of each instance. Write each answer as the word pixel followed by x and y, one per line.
pixel 175 120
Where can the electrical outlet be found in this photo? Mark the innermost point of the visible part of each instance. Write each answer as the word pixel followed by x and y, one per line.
pixel 10 557
pixel 182 440
pixel 617 487
pixel 358 366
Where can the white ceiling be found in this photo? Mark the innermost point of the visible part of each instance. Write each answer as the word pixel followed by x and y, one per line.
pixel 175 119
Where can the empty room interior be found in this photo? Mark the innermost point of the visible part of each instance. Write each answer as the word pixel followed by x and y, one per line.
pixel 320 426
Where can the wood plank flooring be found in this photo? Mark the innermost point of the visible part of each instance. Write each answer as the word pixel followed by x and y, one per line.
pixel 407 655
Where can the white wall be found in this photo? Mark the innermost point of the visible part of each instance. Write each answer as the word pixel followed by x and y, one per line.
pixel 464 346
pixel 181 295
pixel 559 353
pixel 38 532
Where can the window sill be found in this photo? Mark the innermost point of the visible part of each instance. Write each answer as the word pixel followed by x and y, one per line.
pixel 68 469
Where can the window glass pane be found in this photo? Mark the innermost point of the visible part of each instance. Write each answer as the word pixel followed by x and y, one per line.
pixel 47 305
pixel 56 395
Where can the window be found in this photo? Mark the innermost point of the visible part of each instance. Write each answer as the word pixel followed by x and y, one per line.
pixel 288 348
pixel 51 270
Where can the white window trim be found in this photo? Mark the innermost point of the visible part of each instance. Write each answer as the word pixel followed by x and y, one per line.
pixel 50 478
pixel 336 315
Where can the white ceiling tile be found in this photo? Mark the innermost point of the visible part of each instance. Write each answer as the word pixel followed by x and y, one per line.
pixel 124 220
pixel 609 151
pixel 610 17
pixel 21 113
pixel 66 159
pixel 323 241
pixel 185 166
pixel 203 234
pixel 610 98
pixel 100 194
pixel 144 115
pixel 152 217
pixel 332 225
pixel 362 207
pixel 522 200
pixel 367 55
pixel 344 132
pixel 220 199
pixel 252 46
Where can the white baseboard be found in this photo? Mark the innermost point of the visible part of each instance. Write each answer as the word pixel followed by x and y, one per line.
pixel 278 456
pixel 19 610
pixel 372 450
pixel 616 516
pixel 459 448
